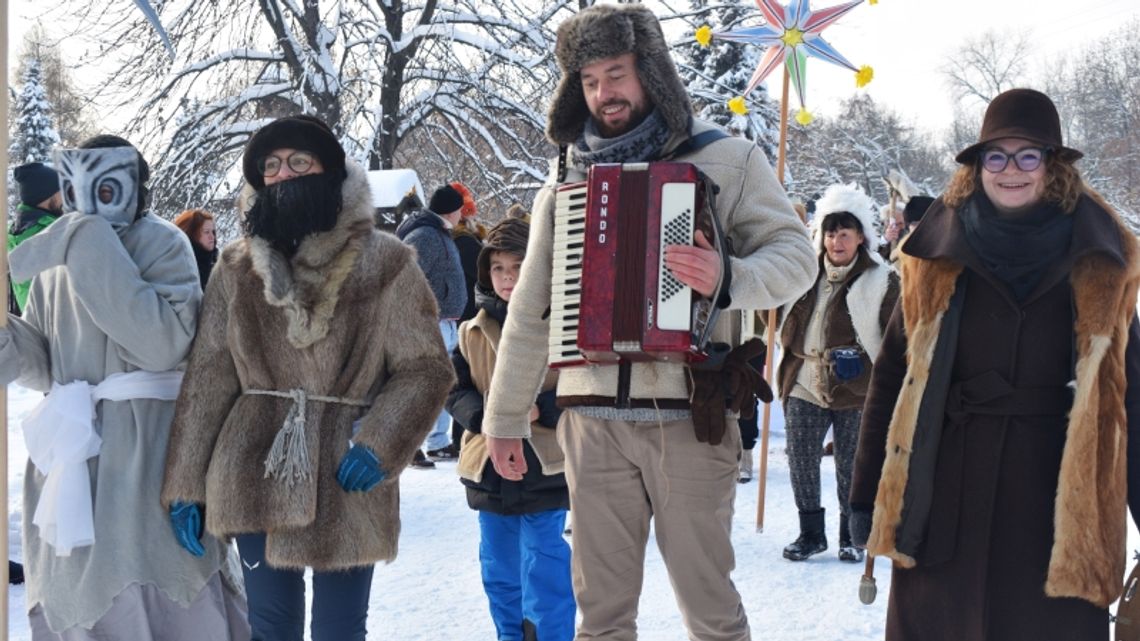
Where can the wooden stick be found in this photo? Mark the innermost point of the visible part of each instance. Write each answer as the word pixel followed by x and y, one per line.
pixel 769 372
pixel 4 308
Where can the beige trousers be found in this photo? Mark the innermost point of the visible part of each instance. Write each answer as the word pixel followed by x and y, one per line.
pixel 622 474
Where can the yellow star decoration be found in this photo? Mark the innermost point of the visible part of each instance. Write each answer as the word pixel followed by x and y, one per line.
pixel 803 117
pixel 792 37
pixel 704 35
pixel 737 106
pixel 864 76
pixel 873 2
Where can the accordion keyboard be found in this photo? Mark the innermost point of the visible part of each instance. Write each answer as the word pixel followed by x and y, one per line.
pixel 566 275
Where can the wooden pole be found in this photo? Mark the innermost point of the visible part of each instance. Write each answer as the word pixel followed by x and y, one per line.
pixel 4 307
pixel 769 359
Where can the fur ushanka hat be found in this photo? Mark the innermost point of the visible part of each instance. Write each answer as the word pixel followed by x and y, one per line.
pixel 509 235
pixel 846 198
pixel 605 31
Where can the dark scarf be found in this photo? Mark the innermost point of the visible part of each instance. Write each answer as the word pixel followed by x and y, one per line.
pixel 487 300
pixel 206 260
pixel 1017 250
pixel 640 144
pixel 286 212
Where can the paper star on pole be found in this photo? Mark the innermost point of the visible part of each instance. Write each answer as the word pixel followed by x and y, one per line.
pixel 790 36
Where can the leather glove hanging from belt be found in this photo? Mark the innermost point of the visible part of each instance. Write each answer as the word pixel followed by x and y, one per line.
pixel 731 381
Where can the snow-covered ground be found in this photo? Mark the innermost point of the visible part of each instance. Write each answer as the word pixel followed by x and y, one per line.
pixel 432 591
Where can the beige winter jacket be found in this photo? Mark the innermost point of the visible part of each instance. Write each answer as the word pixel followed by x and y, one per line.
pixel 773 263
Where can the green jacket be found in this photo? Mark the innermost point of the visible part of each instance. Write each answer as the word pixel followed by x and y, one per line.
pixel 20 231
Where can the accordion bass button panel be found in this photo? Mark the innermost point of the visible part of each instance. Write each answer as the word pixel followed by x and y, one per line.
pixel 566 275
pixel 674 298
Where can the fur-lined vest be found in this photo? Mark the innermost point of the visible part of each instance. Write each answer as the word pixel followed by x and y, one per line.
pixel 857 317
pixel 339 342
pixel 478 343
pixel 1088 550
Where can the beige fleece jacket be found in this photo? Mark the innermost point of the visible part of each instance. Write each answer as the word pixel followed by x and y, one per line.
pixel 774 262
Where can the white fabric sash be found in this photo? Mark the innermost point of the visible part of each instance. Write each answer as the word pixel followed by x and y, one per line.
pixel 60 436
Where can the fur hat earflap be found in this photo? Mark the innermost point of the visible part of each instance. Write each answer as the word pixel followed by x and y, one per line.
pixel 509 235
pixel 846 198
pixel 604 31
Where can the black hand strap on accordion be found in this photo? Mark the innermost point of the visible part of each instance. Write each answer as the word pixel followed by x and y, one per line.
pixel 696 142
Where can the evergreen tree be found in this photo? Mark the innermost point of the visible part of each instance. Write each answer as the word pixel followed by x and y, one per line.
pixel 720 72
pixel 34 135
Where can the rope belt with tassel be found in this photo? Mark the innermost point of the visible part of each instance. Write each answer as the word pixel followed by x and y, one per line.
pixel 288 459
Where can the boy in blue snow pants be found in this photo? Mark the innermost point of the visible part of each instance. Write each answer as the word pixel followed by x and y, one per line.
pixel 525 560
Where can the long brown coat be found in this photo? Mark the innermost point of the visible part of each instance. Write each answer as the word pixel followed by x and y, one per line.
pixel 349 316
pixel 982 565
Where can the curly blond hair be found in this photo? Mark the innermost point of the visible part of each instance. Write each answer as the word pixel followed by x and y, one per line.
pixel 1063 184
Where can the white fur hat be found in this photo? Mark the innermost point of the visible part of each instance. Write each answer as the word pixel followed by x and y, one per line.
pixel 846 198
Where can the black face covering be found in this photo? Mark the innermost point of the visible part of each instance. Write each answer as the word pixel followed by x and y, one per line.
pixel 286 212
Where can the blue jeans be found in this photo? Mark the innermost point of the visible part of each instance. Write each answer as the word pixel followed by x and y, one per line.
pixel 440 435
pixel 277 598
pixel 526 574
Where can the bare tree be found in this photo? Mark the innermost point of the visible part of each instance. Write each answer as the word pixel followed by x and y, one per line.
pixel 861 144
pixel 987 65
pixel 1098 95
pixel 465 77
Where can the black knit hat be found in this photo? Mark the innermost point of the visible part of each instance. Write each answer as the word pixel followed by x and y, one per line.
pixel 37 181
pixel 303 132
pixel 916 207
pixel 509 235
pixel 446 200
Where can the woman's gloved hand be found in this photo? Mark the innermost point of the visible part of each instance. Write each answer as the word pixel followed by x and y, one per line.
pixel 186 519
pixel 359 470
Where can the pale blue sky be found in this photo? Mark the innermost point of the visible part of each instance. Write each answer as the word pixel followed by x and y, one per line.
pixel 905 41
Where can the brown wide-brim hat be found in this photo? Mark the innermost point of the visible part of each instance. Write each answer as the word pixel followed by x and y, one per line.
pixel 1021 113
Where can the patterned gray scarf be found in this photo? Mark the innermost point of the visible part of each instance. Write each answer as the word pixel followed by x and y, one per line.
pixel 642 143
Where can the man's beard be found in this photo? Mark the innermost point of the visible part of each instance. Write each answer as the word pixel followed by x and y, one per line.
pixel 637 115
pixel 288 211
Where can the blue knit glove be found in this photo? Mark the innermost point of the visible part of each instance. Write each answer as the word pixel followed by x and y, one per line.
pixel 359 470
pixel 848 363
pixel 186 519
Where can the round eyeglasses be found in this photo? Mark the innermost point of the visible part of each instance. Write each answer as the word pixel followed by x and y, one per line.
pixel 300 162
pixel 995 160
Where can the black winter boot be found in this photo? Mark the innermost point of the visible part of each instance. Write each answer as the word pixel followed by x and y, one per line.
pixel 812 539
pixel 847 551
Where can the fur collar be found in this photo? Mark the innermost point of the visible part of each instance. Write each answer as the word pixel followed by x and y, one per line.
pixel 308 285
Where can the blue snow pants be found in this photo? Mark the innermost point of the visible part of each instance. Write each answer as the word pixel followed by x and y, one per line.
pixel 526 574
pixel 277 598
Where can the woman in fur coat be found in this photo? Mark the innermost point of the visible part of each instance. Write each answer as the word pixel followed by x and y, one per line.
pixel 317 371
pixel 829 338
pixel 998 451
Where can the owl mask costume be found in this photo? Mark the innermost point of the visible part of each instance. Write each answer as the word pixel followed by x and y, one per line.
pixel 103 182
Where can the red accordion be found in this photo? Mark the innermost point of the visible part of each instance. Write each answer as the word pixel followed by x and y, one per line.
pixel 612 298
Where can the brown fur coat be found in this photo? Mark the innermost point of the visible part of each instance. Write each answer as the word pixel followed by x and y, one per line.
pixel 349 316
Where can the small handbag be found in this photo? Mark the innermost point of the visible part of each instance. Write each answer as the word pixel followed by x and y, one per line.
pixel 847 363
